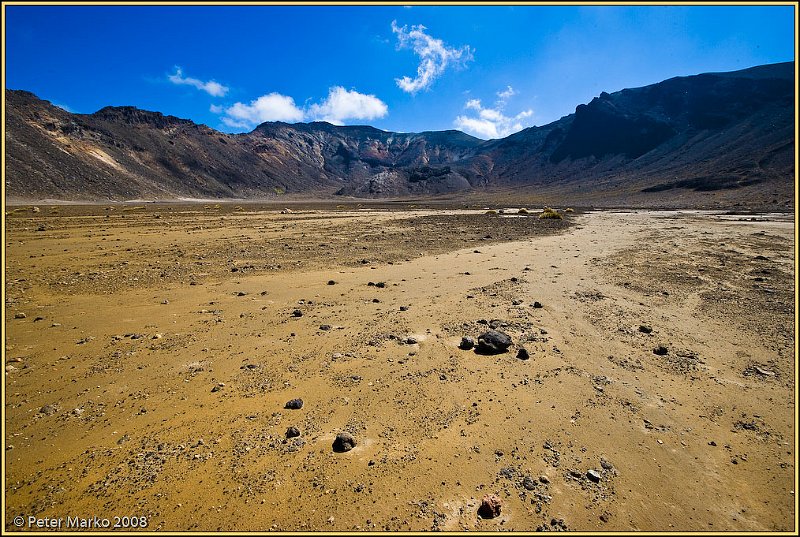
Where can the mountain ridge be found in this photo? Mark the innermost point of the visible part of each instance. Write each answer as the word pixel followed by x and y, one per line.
pixel 728 134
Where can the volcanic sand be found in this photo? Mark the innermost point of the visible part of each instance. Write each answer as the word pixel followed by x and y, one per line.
pixel 159 345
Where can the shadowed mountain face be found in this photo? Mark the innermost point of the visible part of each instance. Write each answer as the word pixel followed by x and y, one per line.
pixel 718 137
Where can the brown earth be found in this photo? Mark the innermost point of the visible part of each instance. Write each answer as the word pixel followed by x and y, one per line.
pixel 148 378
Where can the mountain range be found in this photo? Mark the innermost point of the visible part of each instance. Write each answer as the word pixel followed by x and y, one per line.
pixel 712 139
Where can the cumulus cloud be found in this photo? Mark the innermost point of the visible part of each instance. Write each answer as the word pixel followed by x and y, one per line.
pixel 492 123
pixel 341 105
pixel 270 107
pixel 434 56
pixel 215 89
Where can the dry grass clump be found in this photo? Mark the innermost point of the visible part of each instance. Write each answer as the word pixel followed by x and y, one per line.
pixel 551 213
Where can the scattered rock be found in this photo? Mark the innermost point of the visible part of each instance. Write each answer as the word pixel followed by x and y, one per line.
pixel 19 315
pixel 529 483
pixel 645 329
pixel 490 507
pixel 593 476
pixel 522 353
pixel 466 343
pixel 661 350
pixel 537 305
pixel 48 410
pixel 403 308
pixel 241 293
pixel 297 313
pixel 165 301
pixel 344 442
pixel 331 282
pixel 325 327
pixel 292 432
pixel 380 285
pixel 544 479
pixel 410 340
pixel 37 319
pixel 493 342
pixel 294 404
pixel 605 464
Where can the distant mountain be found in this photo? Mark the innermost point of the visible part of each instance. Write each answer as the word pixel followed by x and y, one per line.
pixel 716 137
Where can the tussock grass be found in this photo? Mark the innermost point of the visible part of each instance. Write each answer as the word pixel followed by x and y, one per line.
pixel 551 213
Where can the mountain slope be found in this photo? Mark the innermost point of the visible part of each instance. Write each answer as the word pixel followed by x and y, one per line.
pixel 726 135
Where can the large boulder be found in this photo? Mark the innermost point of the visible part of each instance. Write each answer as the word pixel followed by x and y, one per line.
pixel 493 342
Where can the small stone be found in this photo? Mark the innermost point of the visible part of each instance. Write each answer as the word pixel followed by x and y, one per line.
pixel 294 404
pixel 165 301
pixel 593 476
pixel 157 336
pixel 375 301
pixel 466 343
pixel 522 353
pixel 410 340
pixel 292 432
pixel 241 293
pixel 490 507
pixel 645 329
pixel 537 305
pixel 380 285
pixel 19 315
pixel 605 464
pixel 297 313
pixel 661 350
pixel 344 442
pixel 325 327
pixel 37 319
pixel 544 479
pixel 331 282
pixel 529 483
pixel 712 443
pixel 215 389
pixel 403 308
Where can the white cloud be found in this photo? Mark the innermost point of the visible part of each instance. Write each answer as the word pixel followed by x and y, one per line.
pixel 215 89
pixel 508 92
pixel 342 104
pixel 473 103
pixel 492 123
pixel 434 56
pixel 270 107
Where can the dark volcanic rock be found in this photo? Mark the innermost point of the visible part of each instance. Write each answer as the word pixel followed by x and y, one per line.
pixel 522 353
pixel 490 507
pixel 493 342
pixel 661 350
pixel 466 343
pixel 344 442
pixel 294 404
pixel 292 432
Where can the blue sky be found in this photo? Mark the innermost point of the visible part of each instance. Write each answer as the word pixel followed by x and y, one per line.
pixel 486 70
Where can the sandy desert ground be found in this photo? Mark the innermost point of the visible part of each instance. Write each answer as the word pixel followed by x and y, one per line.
pixel 150 353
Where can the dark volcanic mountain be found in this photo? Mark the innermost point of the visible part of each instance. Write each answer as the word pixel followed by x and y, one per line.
pixel 715 138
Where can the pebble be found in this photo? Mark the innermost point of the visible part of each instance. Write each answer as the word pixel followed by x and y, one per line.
pixel 297 313
pixel 403 308
pixel 466 343
pixel 544 479
pixel 529 483
pixel 344 442
pixel 644 329
pixel 331 282
pixel 661 350
pixel 292 432
pixel 325 327
pixel 537 305
pixel 605 464
pixel 19 315
pixel 593 476
pixel 522 353
pixel 410 340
